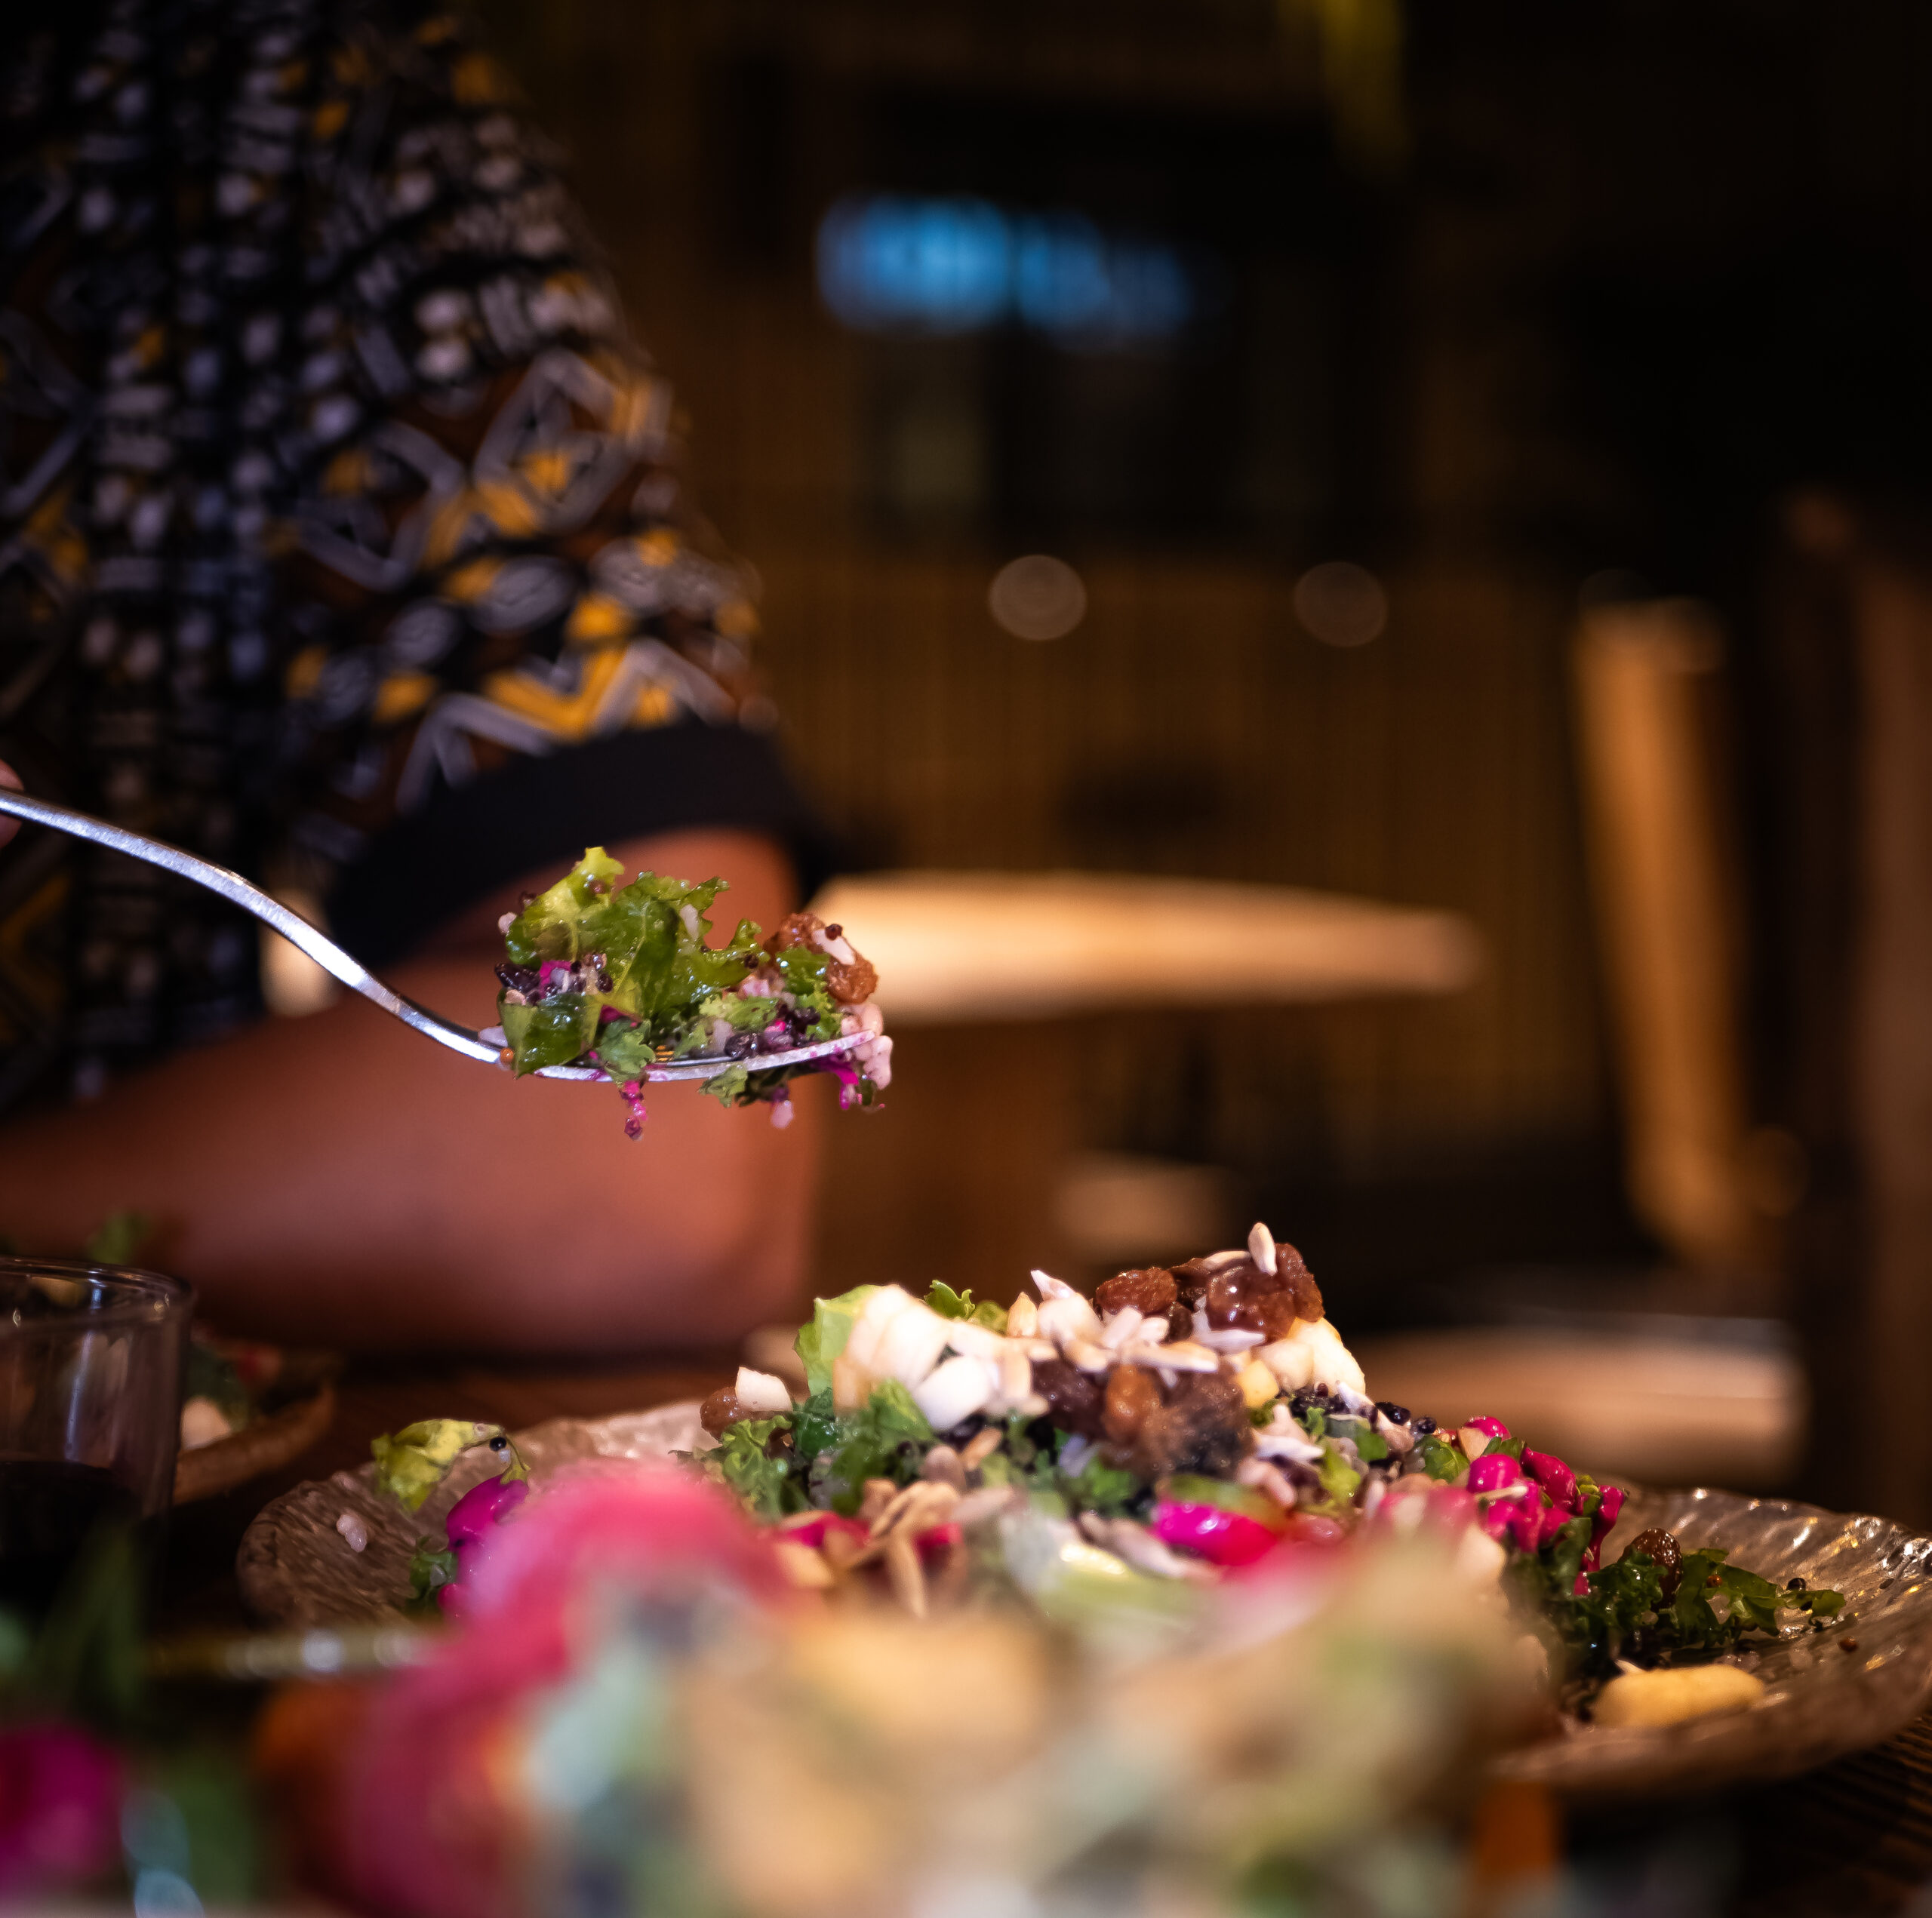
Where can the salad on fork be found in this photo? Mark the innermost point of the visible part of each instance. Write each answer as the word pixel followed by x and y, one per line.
pixel 618 976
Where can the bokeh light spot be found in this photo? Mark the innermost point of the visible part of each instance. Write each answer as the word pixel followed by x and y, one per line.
pixel 1038 597
pixel 1341 604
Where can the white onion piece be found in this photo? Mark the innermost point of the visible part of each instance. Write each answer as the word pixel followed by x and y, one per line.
pixel 1334 1364
pixel 874 1315
pixel 955 1390
pixel 909 1346
pixel 981 1341
pixel 762 1391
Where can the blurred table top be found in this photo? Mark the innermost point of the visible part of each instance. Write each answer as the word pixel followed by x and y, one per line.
pixel 1851 1838
pixel 969 946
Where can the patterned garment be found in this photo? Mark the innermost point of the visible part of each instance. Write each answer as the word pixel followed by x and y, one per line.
pixel 335 504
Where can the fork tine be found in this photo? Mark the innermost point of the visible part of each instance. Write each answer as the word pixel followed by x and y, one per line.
pixel 486 1047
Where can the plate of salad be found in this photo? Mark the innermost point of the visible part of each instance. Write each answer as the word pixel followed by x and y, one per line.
pixel 617 976
pixel 1108 1461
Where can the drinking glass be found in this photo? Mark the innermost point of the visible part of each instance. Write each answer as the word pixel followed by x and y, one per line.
pixel 91 1367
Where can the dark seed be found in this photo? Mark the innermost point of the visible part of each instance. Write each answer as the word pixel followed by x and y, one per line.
pixel 1795 1585
pixel 1847 1645
pixel 1424 1427
pixel 1396 1414
pixel 500 1443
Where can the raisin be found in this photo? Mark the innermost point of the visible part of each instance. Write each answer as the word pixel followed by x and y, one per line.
pixel 1149 1289
pixel 1234 1292
pixel 1661 1549
pixel 1191 1281
pixel 1202 1425
pixel 1133 1397
pixel 721 1409
pixel 851 984
pixel 1290 1265
pixel 1245 1298
pixel 1075 1399
pixel 795 929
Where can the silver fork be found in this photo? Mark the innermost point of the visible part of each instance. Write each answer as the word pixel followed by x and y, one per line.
pixel 351 972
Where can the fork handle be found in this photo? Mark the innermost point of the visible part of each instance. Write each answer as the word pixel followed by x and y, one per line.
pixel 232 886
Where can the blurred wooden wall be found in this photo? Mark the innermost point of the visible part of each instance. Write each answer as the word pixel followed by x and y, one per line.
pixel 1431 767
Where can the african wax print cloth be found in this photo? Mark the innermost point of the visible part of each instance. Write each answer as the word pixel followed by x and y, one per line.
pixel 341 539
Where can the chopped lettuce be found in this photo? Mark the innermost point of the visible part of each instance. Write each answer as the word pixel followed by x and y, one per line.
pixel 1340 1477
pixel 410 1463
pixel 638 950
pixel 818 1344
pixel 620 975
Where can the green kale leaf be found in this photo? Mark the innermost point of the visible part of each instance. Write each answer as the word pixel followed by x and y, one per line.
pixel 761 1473
pixel 888 1437
pixel 951 1304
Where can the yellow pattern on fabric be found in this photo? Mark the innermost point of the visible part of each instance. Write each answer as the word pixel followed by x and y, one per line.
pixel 401 694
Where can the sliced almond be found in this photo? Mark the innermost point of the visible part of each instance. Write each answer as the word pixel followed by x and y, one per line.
pixel 982 1446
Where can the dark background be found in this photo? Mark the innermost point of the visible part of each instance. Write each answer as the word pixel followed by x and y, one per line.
pixel 1644 270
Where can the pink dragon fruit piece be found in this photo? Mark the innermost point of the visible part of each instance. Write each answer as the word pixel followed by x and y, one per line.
pixel 1494 1427
pixel 813 1528
pixel 1493 1471
pixel 1553 1476
pixel 1222 1538
pixel 1606 1515
pixel 479 1512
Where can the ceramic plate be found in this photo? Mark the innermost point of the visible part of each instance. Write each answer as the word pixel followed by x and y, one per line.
pixel 1822 1696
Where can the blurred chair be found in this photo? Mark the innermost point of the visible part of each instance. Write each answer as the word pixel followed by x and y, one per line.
pixel 1668 915
pixel 1667 1388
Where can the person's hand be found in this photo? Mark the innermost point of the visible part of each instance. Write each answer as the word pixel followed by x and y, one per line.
pixel 9 826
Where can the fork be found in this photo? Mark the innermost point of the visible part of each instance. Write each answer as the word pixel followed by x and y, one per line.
pixel 487 1046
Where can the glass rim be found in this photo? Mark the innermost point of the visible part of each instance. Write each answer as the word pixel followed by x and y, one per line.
pixel 144 1291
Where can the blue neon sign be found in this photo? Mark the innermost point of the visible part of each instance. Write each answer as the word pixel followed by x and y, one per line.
pixel 888 263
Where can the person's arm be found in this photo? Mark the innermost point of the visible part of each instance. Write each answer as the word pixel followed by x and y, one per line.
pixel 341 1180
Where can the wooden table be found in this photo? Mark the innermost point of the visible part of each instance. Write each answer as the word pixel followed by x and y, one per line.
pixel 1851 1840
pixel 953 946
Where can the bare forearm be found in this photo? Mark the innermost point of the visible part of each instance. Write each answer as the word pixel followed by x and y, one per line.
pixel 340 1178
